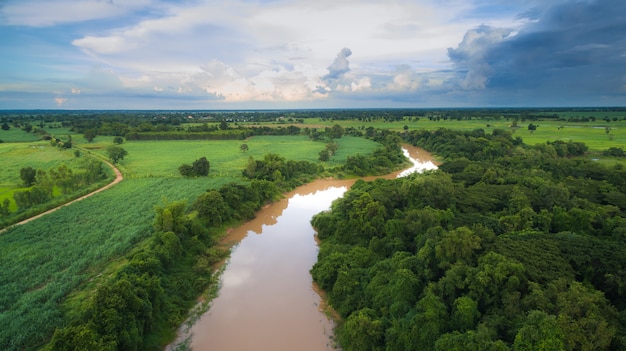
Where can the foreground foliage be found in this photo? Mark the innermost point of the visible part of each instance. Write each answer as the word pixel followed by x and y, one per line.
pixel 507 247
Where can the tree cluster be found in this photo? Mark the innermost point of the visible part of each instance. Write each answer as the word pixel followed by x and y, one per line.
pixel 506 247
pixel 382 161
pixel 274 167
pixel 199 168
pixel 63 178
pixel 329 150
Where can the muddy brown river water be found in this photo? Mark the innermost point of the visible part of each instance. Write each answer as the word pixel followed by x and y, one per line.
pixel 267 300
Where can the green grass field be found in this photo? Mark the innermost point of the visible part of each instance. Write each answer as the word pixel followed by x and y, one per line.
pixel 14 135
pixel 162 158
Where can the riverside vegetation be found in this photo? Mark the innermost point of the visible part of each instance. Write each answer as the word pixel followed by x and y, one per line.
pixel 506 247
pixel 124 279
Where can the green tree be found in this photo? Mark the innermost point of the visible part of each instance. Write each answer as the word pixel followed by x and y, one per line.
pixel 116 153
pixel 465 313
pixel 79 338
pixel 459 244
pixel 118 140
pixel 615 152
pixel 90 135
pixel 250 170
pixel 212 208
pixel 582 316
pixel 244 147
pixel 324 156
pixel 4 207
pixel 332 148
pixel 430 320
pixel 223 125
pixel 364 331
pixel 171 217
pixel 335 132
pixel 540 332
pixel 201 167
pixel 186 170
pixel 28 176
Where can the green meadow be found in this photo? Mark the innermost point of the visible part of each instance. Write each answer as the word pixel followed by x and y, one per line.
pixel 162 158
pixel 594 135
pixel 14 135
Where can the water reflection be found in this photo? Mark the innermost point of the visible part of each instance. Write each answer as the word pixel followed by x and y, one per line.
pixel 267 299
pixel 421 162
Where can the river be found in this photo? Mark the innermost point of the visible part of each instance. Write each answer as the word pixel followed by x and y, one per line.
pixel 267 299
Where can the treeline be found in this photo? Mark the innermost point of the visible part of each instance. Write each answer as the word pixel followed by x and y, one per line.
pixel 506 247
pixel 382 161
pixel 274 167
pixel 225 132
pixel 234 134
pixel 146 120
pixel 151 293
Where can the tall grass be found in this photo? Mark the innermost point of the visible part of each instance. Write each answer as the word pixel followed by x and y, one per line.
pixel 17 135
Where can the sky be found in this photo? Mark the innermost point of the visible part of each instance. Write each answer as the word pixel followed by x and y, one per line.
pixel 275 54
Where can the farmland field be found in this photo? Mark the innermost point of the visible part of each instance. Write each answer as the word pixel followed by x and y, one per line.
pixel 162 158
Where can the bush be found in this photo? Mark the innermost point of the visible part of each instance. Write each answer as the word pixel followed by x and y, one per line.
pixel 199 168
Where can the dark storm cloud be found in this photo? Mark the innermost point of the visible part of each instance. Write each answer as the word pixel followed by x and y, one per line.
pixel 572 50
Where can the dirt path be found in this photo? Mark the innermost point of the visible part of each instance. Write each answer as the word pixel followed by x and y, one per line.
pixel 118 178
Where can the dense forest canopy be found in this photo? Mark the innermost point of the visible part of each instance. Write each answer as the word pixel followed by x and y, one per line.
pixel 506 247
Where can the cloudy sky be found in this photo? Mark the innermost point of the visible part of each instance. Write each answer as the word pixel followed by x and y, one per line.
pixel 236 54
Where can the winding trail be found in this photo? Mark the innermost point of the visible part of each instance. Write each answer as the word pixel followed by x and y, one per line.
pixel 118 178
